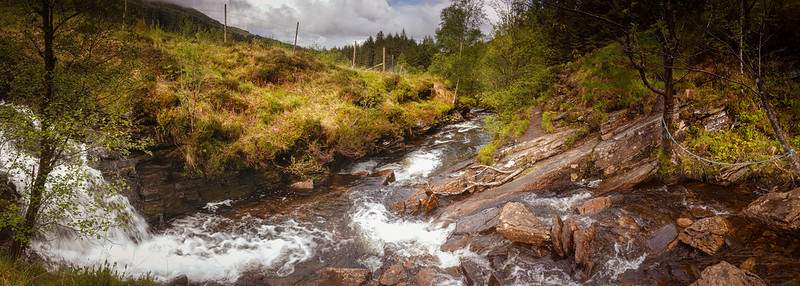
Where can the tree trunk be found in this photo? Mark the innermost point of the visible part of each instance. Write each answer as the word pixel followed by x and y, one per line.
pixel 47 152
pixel 45 166
pixel 669 47
pixel 776 126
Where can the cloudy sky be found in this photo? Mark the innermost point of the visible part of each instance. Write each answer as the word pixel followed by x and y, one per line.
pixel 326 23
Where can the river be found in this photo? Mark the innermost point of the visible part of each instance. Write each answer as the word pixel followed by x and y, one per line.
pixel 286 240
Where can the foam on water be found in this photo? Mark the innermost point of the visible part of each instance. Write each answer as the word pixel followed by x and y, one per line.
pixel 418 165
pixel 203 247
pixel 407 238
pixel 564 205
pixel 624 259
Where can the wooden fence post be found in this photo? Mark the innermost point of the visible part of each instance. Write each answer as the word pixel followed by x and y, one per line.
pixel 296 31
pixel 225 28
pixel 384 59
pixel 355 43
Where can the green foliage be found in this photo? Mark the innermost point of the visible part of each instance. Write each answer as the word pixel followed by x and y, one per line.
pixel 486 154
pixel 16 273
pixel 547 121
pixel 606 83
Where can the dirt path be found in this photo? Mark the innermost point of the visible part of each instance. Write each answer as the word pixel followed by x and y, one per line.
pixel 535 128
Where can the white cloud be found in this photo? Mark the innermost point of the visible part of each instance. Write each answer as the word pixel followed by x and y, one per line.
pixel 325 23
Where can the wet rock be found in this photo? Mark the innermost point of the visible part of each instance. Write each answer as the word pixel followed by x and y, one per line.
pixel 556 235
pixel 748 264
pixel 474 274
pixel 361 173
pixel 393 275
pixel 517 224
pixel 662 238
pixel 594 205
pixel 684 222
pixel 699 212
pixel 724 273
pixel 707 235
pixel 386 175
pixel 567 232
pixel 426 277
pixel 343 276
pixel 182 280
pixel 480 222
pixel 306 185
pixel 583 239
pixel 777 210
pixel 455 243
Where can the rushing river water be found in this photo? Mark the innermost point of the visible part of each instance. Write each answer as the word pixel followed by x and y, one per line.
pixel 346 223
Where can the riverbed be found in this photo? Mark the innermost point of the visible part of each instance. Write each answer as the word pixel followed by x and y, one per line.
pixel 348 222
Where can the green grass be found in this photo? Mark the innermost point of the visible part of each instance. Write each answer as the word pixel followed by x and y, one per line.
pixel 255 105
pixel 25 274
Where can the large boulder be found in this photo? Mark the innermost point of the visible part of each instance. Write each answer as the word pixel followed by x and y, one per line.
pixel 724 273
pixel 331 276
pixel 777 210
pixel 518 224
pixel 707 235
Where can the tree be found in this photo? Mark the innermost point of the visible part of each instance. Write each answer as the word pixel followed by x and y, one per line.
pixel 743 33
pixel 653 43
pixel 459 42
pixel 69 89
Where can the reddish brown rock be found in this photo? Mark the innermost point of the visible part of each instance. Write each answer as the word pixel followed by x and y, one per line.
pixel 393 275
pixel 594 206
pixel 684 222
pixel 724 273
pixel 556 235
pixel 584 238
pixel 387 175
pixel 777 210
pixel 748 265
pixel 518 224
pixel 567 232
pixel 343 276
pixel 306 185
pixel 707 235
pixel 426 277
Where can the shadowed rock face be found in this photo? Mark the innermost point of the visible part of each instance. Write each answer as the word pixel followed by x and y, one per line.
pixel 161 188
pixel 726 274
pixel 777 210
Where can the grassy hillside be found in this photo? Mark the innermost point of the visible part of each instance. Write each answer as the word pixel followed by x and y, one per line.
pixel 249 103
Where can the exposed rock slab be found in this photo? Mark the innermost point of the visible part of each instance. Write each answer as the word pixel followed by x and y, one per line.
pixel 331 276
pixel 477 223
pixel 724 273
pixel 707 235
pixel 777 210
pixel 516 223
pixel 594 205
pixel 306 185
